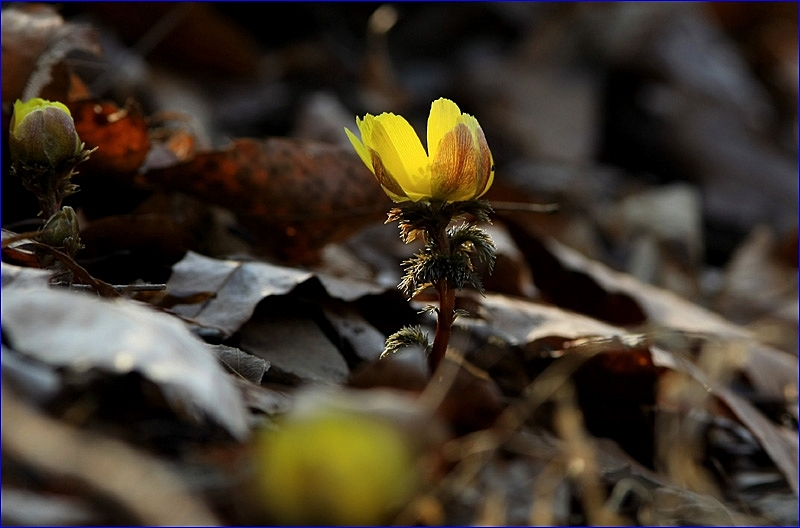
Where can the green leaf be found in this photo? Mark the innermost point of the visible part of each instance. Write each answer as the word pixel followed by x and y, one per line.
pixel 406 337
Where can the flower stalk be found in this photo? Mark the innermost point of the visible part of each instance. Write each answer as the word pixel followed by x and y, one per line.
pixel 444 324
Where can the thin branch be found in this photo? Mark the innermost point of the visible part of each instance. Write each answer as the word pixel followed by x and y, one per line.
pixel 102 288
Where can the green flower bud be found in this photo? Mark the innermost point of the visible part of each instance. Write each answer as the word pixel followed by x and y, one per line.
pixel 43 133
pixel 61 230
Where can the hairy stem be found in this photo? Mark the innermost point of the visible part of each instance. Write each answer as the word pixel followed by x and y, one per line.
pixel 447 305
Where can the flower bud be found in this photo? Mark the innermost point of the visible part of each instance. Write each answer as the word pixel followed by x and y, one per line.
pixel 43 133
pixel 61 230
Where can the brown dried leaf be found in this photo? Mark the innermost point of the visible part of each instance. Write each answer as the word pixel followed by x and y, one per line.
pixel 75 331
pixel 779 443
pixel 759 283
pixel 119 133
pixel 35 40
pixel 571 285
pixel 619 355
pixel 666 310
pixel 282 333
pixel 240 286
pixel 294 195
pixel 772 373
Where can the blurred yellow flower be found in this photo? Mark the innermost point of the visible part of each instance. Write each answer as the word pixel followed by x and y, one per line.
pixel 334 467
pixel 457 167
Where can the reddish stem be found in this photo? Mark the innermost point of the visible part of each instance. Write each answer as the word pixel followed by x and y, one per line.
pixel 447 306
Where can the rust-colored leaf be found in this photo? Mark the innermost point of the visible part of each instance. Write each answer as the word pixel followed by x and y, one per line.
pixel 119 133
pixel 15 252
pixel 294 195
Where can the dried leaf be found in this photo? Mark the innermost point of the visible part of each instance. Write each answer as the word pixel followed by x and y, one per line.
pixel 666 310
pixel 294 195
pixel 139 483
pixel 120 135
pixel 79 332
pixel 35 40
pixel 365 341
pixel 759 282
pixel 573 286
pixel 240 286
pixel 780 444
pixel 523 322
pixel 295 346
pixel 246 365
pixel 19 277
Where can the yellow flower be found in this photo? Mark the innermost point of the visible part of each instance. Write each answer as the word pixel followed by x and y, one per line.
pixel 457 167
pixel 43 132
pixel 329 466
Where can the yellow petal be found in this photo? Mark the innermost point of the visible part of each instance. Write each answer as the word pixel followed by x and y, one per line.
pixel 389 186
pixel 400 151
pixel 361 150
pixel 485 164
pixel 388 183
pixel 470 121
pixel 37 103
pixel 443 118
pixel 454 171
pixel 417 196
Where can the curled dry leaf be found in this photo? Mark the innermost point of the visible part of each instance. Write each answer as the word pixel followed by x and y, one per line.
pixel 119 133
pixel 779 443
pixel 570 286
pixel 35 40
pixel 294 195
pixel 139 483
pixel 772 372
pixel 240 286
pixel 524 323
pixel 76 331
